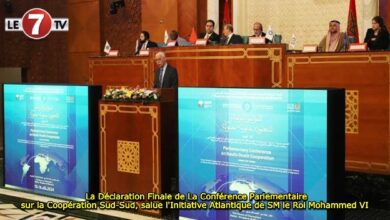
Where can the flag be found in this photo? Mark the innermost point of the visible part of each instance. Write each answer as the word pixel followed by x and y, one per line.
pixel 226 13
pixel 352 28
pixel 293 42
pixel 166 37
pixel 193 36
pixel 270 33
pixel 107 47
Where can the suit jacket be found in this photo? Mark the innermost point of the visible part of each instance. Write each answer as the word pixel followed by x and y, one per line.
pixel 213 37
pixel 150 44
pixel 235 39
pixel 380 42
pixel 170 78
pixel 267 41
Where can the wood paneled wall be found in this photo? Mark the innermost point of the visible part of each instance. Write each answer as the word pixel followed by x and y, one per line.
pixel 46 59
pixel 158 16
pixel 187 18
pixel 84 37
pixel 384 11
pixel 62 57
pixel 202 15
pixel 122 29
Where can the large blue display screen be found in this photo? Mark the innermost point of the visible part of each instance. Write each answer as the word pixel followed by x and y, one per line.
pixel 253 140
pixel 46 139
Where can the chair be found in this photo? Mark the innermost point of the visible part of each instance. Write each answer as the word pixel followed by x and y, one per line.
pixel 389 45
pixel 245 39
pixel 160 44
pixel 277 39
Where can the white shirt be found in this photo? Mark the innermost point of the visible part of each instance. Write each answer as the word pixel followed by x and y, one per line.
pixel 206 36
pixel 145 45
pixel 228 38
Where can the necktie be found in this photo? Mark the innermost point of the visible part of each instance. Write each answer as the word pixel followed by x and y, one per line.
pixel 161 76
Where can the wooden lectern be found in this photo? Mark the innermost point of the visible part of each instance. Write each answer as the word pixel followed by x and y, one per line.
pixel 138 147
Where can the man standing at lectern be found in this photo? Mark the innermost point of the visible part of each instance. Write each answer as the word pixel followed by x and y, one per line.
pixel 166 75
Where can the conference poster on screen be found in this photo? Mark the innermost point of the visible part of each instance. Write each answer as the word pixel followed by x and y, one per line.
pixel 46 139
pixel 246 140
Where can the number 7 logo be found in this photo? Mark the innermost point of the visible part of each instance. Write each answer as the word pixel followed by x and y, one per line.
pixel 36 23
pixel 39 17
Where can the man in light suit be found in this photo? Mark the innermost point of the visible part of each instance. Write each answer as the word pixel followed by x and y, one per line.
pixel 229 37
pixel 166 75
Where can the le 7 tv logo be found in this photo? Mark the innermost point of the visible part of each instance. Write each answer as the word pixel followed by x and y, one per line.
pixel 36 24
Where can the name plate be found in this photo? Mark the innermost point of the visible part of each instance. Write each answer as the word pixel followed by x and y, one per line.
pixel 201 42
pixel 113 53
pixel 171 44
pixel 256 40
pixel 144 52
pixel 312 48
pixel 357 47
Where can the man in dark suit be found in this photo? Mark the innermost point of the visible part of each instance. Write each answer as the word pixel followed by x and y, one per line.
pixel 258 31
pixel 144 42
pixel 166 75
pixel 229 37
pixel 210 35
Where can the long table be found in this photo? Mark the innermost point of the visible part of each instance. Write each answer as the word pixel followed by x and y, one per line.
pixel 232 66
pixel 214 66
pixel 364 75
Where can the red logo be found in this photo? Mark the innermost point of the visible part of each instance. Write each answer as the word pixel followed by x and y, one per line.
pixel 36 23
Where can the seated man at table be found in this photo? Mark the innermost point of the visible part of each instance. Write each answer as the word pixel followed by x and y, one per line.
pixel 258 31
pixel 210 35
pixel 334 40
pixel 166 75
pixel 144 42
pixel 229 37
